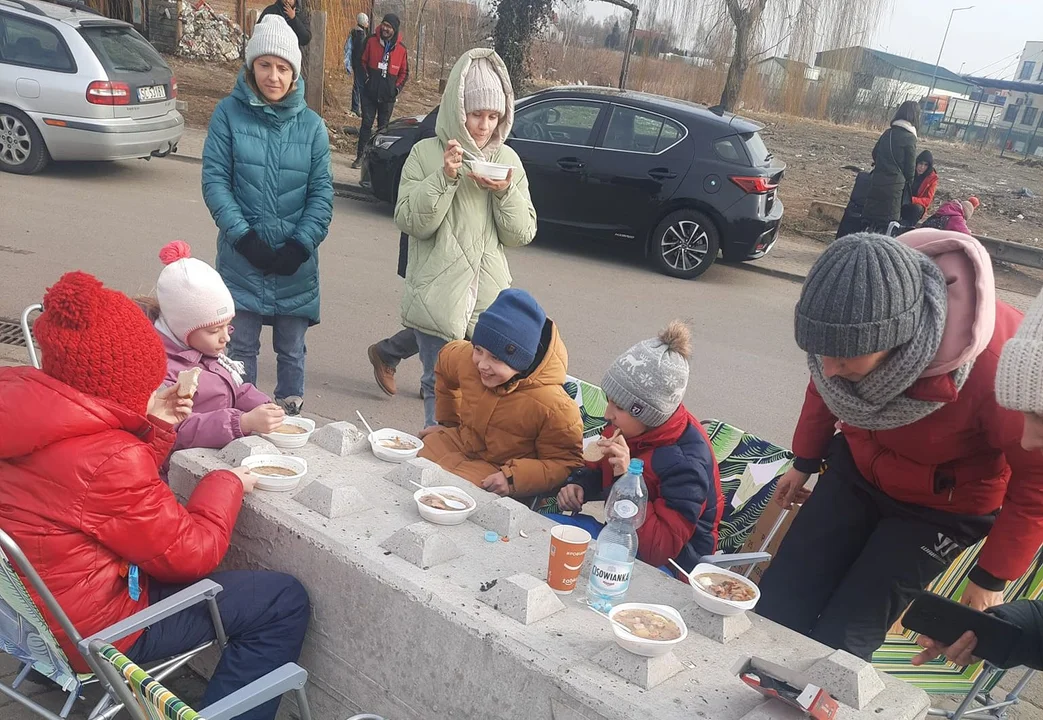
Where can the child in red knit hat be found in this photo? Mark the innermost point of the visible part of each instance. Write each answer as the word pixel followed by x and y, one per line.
pixel 195 312
pixel 81 443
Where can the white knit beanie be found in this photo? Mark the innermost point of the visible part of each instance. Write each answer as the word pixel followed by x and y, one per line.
pixel 483 88
pixel 272 36
pixel 1019 377
pixel 191 294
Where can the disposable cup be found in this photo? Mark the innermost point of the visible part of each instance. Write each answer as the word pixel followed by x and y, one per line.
pixel 568 547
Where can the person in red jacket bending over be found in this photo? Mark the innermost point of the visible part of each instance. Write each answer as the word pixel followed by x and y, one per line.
pixel 903 339
pixel 645 387
pixel 81 444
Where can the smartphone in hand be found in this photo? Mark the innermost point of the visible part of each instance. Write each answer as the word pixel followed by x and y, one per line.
pixel 943 620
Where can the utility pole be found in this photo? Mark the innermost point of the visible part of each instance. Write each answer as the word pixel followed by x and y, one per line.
pixel 934 78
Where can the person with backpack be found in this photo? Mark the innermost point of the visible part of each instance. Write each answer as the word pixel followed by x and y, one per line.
pixel 353 49
pixel 894 170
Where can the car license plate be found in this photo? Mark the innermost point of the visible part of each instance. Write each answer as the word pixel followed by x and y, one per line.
pixel 152 93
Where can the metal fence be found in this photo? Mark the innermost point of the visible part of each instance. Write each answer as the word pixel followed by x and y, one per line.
pixel 1013 130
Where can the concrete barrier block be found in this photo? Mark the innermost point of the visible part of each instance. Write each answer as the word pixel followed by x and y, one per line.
pixel 505 516
pixel 716 627
pixel 849 679
pixel 418 470
pixel 238 450
pixel 423 545
pixel 523 598
pixel 645 672
pixel 332 499
pixel 341 439
pixel 774 710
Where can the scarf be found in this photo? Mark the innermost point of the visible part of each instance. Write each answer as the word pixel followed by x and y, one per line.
pixel 905 125
pixel 878 401
pixel 235 368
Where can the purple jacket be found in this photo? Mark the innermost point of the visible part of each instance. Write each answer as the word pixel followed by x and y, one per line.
pixel 952 213
pixel 219 403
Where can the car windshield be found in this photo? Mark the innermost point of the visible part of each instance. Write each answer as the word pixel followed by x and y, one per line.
pixel 759 153
pixel 122 49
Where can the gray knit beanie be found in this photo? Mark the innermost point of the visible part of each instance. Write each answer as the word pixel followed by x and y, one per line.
pixel 1019 377
pixel 864 294
pixel 649 380
pixel 273 36
pixel 483 88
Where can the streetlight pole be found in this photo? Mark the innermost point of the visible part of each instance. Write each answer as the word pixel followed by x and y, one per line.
pixel 945 37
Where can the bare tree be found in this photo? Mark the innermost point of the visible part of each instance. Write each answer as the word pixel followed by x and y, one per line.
pixel 747 18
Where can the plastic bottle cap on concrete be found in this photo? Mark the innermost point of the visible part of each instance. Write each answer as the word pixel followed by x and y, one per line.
pixel 491 536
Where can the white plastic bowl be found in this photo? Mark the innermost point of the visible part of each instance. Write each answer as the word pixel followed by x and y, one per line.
pixel 390 454
pixel 286 441
pixel 278 484
pixel 640 646
pixel 490 170
pixel 714 604
pixel 445 517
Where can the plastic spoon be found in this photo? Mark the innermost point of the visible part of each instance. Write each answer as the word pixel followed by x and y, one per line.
pixel 364 422
pixel 618 624
pixel 454 504
pixel 680 569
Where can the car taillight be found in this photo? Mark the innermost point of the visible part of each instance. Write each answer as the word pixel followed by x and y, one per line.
pixel 102 92
pixel 173 87
pixel 754 185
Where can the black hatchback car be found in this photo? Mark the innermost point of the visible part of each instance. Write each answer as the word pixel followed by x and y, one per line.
pixel 682 180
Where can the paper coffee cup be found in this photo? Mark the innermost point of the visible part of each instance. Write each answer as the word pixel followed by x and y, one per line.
pixel 568 548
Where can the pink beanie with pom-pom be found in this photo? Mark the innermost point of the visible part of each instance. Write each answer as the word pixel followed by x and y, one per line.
pixel 191 294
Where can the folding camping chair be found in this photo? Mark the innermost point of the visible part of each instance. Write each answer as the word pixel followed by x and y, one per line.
pixel 145 698
pixel 750 469
pixel 27 334
pixel 975 682
pixel 25 635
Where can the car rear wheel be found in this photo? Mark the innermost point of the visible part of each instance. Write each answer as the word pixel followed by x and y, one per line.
pixel 21 146
pixel 684 244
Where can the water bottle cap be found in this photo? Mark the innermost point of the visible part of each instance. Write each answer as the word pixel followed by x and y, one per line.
pixel 637 467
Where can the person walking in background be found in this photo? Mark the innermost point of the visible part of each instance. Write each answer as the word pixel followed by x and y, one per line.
pixel 894 158
pixel 954 215
pixel 353 49
pixel 287 10
pixel 268 185
pixel 925 183
pixel 459 225
pixel 385 69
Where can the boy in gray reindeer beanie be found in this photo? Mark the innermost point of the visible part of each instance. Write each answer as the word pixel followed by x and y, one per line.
pixel 648 381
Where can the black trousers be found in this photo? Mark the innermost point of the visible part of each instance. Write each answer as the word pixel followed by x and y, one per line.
pixel 855 558
pixel 372 110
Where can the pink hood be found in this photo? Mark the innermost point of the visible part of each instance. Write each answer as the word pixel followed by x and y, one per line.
pixel 971 315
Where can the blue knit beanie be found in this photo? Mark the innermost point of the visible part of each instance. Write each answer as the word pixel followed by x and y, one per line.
pixel 511 328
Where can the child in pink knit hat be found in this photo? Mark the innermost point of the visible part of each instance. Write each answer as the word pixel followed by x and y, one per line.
pixel 195 312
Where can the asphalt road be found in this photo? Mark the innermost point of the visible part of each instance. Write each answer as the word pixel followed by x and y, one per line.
pixel 112 219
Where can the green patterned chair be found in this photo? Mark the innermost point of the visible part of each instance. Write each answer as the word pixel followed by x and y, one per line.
pixel 145 698
pixel 750 469
pixel 975 682
pixel 25 635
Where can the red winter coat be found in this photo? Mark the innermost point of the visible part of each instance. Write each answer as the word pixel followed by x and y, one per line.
pixel 964 458
pixel 80 493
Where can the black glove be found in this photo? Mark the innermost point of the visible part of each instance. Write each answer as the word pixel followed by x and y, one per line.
pixel 289 258
pixel 257 251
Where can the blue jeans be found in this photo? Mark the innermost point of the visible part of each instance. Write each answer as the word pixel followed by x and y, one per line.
pixel 265 615
pixel 357 85
pixel 288 342
pixel 429 346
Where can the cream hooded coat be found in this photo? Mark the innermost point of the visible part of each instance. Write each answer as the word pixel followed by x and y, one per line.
pixel 458 231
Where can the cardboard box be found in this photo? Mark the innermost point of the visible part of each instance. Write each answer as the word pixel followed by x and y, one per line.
pixel 755 542
pixel 788 687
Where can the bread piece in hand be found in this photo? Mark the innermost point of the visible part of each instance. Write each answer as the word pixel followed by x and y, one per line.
pixel 188 382
pixel 593 453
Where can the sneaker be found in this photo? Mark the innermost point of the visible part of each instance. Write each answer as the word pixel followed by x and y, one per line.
pixel 383 373
pixel 292 405
pixel 357 164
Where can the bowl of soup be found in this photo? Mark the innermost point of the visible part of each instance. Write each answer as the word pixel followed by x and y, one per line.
pixel 276 473
pixel 721 591
pixel 490 170
pixel 433 509
pixel 293 433
pixel 394 445
pixel 651 630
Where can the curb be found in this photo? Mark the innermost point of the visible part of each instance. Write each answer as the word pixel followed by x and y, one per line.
pixel 770 272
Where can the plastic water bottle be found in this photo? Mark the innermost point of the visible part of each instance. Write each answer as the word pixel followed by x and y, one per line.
pixel 625 512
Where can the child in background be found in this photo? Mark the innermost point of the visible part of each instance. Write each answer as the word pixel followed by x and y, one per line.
pixel 195 316
pixel 954 215
pixel 505 422
pixel 645 387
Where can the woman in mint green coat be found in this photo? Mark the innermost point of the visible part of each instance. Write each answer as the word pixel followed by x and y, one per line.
pixel 267 183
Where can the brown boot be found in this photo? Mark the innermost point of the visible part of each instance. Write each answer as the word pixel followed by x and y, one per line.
pixel 383 373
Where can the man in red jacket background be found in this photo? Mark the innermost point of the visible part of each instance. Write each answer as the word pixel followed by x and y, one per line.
pixel 81 444
pixel 903 347
pixel 385 69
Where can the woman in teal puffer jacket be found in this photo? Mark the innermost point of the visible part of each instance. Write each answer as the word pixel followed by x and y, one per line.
pixel 267 182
